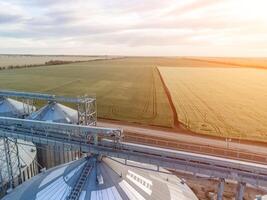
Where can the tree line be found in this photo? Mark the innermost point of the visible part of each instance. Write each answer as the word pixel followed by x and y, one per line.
pixel 50 62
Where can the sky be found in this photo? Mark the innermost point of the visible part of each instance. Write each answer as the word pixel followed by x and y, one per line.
pixel 134 27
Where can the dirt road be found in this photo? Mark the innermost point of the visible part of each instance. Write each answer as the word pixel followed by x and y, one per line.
pixel 194 143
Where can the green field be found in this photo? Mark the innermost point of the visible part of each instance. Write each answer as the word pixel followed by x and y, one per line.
pixel 210 97
pixel 126 89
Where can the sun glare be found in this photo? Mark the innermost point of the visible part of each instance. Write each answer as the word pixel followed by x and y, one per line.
pixel 251 9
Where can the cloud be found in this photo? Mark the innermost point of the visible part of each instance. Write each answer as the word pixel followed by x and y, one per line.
pixel 194 6
pixel 132 24
pixel 10 13
pixel 9 18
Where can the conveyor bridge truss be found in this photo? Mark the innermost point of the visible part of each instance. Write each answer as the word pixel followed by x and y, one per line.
pixel 108 142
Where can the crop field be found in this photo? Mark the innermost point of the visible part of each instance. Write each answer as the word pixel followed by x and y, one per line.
pixel 19 60
pixel 228 102
pixel 127 89
pixel 213 98
pixel 260 63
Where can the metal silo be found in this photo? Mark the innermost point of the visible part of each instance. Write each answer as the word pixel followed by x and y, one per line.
pixel 48 155
pixel 107 179
pixel 17 161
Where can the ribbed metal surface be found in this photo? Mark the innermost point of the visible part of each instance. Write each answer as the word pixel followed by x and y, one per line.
pixel 11 108
pixel 119 182
pixel 15 109
pixel 50 156
pixel 55 112
pixel 45 97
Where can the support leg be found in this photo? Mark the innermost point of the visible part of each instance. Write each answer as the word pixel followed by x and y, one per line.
pixel 9 163
pixel 95 139
pixel 18 160
pixel 1 183
pixel 220 189
pixel 240 191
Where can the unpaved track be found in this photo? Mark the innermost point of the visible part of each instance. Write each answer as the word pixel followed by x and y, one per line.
pixel 193 143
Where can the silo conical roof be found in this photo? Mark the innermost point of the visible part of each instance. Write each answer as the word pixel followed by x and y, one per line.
pixel 108 179
pixel 56 112
pixel 11 108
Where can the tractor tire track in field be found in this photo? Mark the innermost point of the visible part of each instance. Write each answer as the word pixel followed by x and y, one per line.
pixel 151 99
pixel 62 85
pixel 145 112
pixel 155 112
pixel 217 116
pixel 195 109
pixel 176 122
pixel 147 102
pixel 191 106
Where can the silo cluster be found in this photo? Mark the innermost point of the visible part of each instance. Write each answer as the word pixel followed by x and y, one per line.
pixel 27 158
pixel 23 156
pixel 109 178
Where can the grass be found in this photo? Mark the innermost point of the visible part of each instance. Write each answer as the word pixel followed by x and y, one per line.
pixel 127 89
pixel 228 102
pixel 211 97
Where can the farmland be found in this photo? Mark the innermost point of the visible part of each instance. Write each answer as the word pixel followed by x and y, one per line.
pixel 21 60
pixel 260 63
pixel 228 102
pixel 126 89
pixel 210 96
